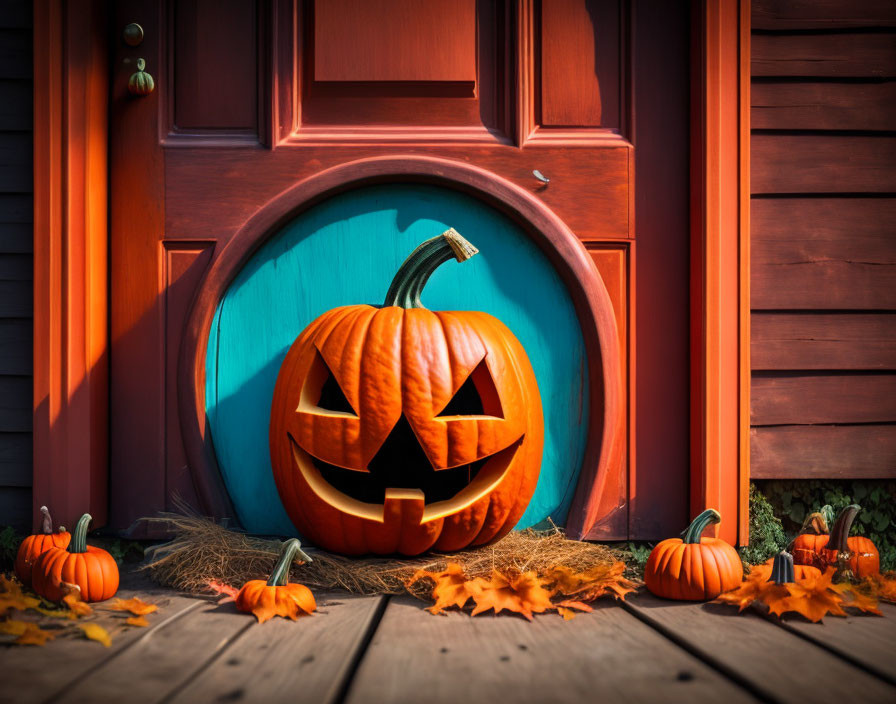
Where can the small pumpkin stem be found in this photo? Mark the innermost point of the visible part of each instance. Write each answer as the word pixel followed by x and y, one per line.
pixel 79 537
pixel 692 533
pixel 46 521
pixel 412 275
pixel 782 568
pixel 839 541
pixel 288 552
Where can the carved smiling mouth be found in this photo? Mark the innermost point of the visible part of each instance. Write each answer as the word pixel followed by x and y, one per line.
pixel 401 471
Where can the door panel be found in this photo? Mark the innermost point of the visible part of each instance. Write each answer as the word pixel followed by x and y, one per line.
pixel 268 96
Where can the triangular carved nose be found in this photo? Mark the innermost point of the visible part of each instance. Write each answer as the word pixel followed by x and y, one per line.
pixel 400 460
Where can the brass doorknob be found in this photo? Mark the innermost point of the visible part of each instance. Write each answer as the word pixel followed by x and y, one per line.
pixel 140 82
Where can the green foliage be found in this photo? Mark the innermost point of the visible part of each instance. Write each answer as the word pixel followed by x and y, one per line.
pixel 123 551
pixel 766 531
pixel 9 546
pixel 793 500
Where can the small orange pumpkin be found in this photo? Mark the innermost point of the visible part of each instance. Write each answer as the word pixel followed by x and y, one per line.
pixel 277 596
pixel 91 569
pixel 396 429
pixel 693 568
pixel 34 546
pixel 814 546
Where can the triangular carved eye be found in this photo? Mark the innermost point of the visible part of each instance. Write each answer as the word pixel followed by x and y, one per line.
pixel 322 392
pixel 477 396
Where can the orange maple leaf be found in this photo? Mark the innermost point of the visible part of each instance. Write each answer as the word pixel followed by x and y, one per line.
pixel 28 633
pixel 96 632
pixel 73 601
pixel 134 605
pixel 862 596
pixel 884 586
pixel 137 621
pixel 221 588
pixel 522 593
pixel 750 588
pixel 13 598
pixel 449 587
pixel 592 583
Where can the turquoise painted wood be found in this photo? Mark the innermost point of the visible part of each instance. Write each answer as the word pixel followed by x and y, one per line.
pixel 345 251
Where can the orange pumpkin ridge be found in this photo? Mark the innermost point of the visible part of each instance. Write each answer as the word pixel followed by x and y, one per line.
pixel 396 429
pixel 277 596
pixel 33 546
pixel 814 546
pixel 92 570
pixel 693 568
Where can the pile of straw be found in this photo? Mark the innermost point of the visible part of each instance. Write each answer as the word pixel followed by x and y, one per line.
pixel 203 551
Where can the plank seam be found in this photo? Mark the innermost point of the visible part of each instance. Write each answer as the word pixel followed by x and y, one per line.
pixel 186 681
pixel 102 663
pixel 704 657
pixel 363 644
pixel 842 654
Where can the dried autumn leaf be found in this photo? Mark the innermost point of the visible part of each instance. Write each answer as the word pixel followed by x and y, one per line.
pixel 860 596
pixel 134 605
pixel 750 589
pixel 28 633
pixel 592 583
pixel 13 598
pixel 813 597
pixel 522 593
pixel 73 601
pixel 449 587
pixel 137 621
pixel 221 588
pixel 568 607
pixel 884 586
pixel 96 632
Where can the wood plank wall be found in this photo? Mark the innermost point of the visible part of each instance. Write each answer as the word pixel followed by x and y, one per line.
pixel 823 239
pixel 15 263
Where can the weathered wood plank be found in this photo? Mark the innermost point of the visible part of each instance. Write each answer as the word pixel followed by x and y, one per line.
pixel 601 656
pixel 15 461
pixel 16 238
pixel 15 53
pixel 822 164
pixel 821 14
pixel 823 106
pixel 869 640
pixel 66 665
pixel 824 55
pixel 310 659
pixel 823 452
pixel 801 399
pixel 16 299
pixel 782 341
pixel 822 253
pixel 786 670
pixel 15 403
pixel 154 667
pixel 15 507
pixel 15 346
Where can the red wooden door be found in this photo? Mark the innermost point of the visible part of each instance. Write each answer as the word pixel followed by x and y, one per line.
pixel 252 98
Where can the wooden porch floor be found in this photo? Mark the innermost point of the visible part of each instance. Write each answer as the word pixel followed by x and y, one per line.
pixel 374 649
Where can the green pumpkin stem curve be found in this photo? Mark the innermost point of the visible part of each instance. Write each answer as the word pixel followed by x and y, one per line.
pixel 79 535
pixel 692 533
pixel 412 275
pixel 288 552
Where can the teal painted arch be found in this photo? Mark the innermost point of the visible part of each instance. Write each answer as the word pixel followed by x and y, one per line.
pixel 344 251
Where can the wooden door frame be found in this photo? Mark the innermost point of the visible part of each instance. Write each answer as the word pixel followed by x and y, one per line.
pixel 71 361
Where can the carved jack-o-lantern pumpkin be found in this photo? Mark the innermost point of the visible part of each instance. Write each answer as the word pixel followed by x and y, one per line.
pixel 396 429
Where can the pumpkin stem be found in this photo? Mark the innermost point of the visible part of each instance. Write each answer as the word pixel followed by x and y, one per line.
pixel 782 568
pixel 79 536
pixel 839 541
pixel 288 552
pixel 412 276
pixel 46 521
pixel 692 533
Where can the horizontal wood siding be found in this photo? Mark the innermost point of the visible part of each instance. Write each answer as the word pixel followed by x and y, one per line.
pixel 823 243
pixel 16 264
